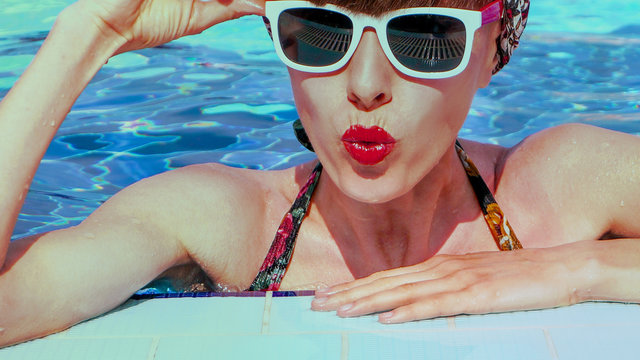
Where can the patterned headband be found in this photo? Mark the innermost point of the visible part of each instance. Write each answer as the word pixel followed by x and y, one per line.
pixel 514 20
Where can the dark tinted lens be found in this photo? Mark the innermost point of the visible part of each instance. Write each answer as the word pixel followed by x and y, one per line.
pixel 427 43
pixel 314 37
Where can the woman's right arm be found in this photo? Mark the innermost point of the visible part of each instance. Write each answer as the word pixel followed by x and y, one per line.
pixel 47 281
pixel 83 38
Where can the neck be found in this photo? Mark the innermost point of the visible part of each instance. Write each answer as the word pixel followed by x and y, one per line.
pixel 405 230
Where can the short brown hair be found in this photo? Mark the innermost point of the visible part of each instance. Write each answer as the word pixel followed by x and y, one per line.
pixel 379 7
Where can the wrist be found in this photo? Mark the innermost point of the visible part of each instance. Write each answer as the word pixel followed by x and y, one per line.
pixel 588 272
pixel 610 271
pixel 94 39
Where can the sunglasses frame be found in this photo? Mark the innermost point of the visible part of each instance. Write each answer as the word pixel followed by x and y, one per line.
pixel 472 20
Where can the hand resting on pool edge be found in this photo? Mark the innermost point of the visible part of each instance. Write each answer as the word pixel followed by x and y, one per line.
pixel 486 282
pixel 404 221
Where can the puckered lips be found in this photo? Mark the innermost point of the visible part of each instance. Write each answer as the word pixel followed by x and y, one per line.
pixel 368 145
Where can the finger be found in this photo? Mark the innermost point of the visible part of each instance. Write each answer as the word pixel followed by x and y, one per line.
pixel 332 298
pixel 478 295
pixel 424 266
pixel 208 13
pixel 402 295
pixel 434 268
pixel 362 291
pixel 443 304
pixel 337 300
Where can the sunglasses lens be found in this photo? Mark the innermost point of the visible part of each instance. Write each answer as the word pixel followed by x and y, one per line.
pixel 314 37
pixel 427 43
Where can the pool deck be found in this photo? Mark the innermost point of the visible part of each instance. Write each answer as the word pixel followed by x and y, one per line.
pixel 271 327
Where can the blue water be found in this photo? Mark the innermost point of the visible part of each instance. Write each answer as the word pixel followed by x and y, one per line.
pixel 223 96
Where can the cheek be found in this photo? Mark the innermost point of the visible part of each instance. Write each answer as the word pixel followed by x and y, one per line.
pixel 314 95
pixel 437 107
pixel 319 106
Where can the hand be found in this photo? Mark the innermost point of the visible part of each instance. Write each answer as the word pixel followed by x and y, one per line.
pixel 464 284
pixel 148 23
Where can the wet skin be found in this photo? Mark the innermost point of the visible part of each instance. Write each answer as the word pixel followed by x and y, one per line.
pixel 407 227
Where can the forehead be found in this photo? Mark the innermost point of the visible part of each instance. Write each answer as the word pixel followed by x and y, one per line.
pixel 378 7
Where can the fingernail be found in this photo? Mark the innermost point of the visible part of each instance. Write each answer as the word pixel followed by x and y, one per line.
pixel 345 308
pixel 385 318
pixel 319 303
pixel 323 291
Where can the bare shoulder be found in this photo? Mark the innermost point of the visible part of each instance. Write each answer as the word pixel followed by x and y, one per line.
pixel 578 174
pixel 212 215
pixel 224 217
pixel 575 150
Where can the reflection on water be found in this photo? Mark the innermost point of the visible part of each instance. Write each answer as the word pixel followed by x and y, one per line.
pixel 202 100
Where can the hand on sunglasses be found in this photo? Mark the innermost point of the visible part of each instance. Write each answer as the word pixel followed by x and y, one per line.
pixel 148 23
pixel 476 283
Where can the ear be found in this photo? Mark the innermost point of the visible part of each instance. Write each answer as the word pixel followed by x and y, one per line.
pixel 493 31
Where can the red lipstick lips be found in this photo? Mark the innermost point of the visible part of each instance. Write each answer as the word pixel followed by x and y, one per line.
pixel 368 146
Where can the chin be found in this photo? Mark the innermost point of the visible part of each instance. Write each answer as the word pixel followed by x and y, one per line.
pixel 374 190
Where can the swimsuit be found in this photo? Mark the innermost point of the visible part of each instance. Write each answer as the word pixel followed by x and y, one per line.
pixel 275 265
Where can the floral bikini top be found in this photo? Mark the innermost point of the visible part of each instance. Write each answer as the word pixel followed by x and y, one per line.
pixel 275 264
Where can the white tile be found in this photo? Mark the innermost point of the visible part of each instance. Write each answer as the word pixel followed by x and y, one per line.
pixel 597 342
pixel 294 314
pixel 180 316
pixel 455 344
pixel 581 314
pixel 80 349
pixel 265 347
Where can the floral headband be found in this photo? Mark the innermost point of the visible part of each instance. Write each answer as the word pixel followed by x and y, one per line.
pixel 514 20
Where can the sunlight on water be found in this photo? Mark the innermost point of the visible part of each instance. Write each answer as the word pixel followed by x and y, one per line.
pixel 207 99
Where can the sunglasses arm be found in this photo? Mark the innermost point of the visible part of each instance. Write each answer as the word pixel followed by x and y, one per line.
pixel 492 12
pixel 267 24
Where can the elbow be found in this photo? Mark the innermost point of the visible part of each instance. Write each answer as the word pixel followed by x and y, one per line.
pixel 16 326
pixel 17 323
pixel 7 316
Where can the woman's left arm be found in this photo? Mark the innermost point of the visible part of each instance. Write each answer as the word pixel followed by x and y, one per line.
pixel 602 171
pixel 491 282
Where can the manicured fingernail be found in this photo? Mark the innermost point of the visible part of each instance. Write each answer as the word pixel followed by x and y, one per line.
pixel 386 318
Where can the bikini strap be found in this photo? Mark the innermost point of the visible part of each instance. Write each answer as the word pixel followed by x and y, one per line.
pixel 275 264
pixel 502 232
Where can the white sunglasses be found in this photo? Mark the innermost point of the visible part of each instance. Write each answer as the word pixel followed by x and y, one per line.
pixel 423 42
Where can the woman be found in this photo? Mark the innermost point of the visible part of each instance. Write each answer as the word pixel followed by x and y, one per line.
pixel 396 203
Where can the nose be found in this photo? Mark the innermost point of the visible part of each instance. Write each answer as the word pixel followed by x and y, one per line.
pixel 369 73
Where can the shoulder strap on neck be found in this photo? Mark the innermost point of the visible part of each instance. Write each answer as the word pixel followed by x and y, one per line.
pixel 276 263
pixel 502 232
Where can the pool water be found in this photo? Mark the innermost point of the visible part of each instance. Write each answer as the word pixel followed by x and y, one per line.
pixel 208 99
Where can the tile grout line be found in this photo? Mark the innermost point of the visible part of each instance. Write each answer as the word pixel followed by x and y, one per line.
pixel 266 315
pixel 451 322
pixel 344 347
pixel 550 345
pixel 153 349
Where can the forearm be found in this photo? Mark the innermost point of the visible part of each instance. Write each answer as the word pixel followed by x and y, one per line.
pixel 612 272
pixel 34 108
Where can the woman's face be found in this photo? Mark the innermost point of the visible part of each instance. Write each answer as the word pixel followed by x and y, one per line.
pixel 423 117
